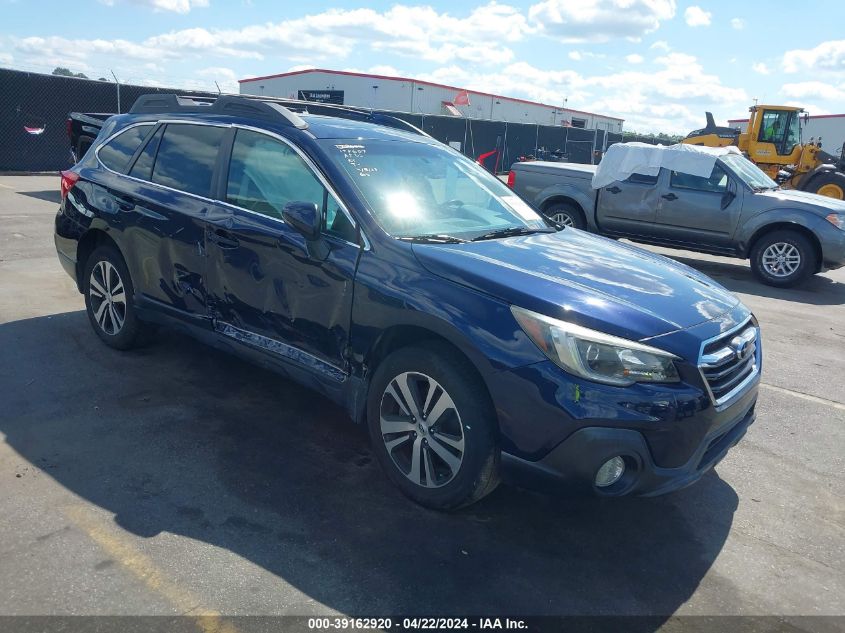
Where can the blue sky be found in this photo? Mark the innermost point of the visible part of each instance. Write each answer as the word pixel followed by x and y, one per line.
pixel 659 64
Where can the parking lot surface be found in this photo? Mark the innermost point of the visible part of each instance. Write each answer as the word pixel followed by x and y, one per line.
pixel 179 480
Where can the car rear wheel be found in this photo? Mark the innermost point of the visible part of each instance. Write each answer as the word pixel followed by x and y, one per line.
pixel 783 258
pixel 566 214
pixel 432 427
pixel 109 303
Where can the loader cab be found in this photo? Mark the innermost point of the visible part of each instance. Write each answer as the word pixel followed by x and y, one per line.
pixel 774 135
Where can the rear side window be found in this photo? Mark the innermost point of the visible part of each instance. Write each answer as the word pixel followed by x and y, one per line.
pixel 186 157
pixel 117 153
pixel 143 167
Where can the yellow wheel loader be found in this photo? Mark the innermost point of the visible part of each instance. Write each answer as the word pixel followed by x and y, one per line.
pixel 773 142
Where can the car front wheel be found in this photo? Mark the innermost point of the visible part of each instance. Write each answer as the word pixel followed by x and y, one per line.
pixel 432 427
pixel 783 258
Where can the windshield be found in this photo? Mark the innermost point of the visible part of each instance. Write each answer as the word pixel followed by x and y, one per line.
pixel 421 190
pixel 748 172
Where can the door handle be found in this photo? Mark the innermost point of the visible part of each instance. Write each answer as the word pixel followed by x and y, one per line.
pixel 223 238
pixel 669 196
pixel 613 189
pixel 125 204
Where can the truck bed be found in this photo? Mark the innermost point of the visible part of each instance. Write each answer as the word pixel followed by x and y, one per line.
pixel 570 170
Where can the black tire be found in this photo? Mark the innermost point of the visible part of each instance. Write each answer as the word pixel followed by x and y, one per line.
pixel 106 319
pixel 830 184
pixel 478 471
pixel 567 214
pixel 765 268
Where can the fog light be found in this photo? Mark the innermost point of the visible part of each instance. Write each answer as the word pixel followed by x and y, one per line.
pixel 610 472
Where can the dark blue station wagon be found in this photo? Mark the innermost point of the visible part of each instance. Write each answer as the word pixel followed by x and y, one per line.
pixel 356 255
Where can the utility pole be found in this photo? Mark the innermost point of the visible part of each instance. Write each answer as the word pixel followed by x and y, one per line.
pixel 117 83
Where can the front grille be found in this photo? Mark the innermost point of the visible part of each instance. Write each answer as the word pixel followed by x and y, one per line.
pixel 729 361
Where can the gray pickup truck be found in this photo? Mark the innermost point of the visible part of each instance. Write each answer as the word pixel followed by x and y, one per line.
pixel 738 212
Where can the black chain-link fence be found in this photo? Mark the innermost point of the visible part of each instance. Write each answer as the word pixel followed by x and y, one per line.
pixel 34 110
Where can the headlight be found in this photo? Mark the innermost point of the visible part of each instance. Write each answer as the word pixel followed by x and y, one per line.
pixel 837 220
pixel 595 355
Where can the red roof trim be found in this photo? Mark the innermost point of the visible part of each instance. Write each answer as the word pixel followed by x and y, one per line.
pixel 425 83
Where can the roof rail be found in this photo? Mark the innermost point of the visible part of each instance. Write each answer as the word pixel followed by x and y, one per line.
pixel 232 105
pixel 259 106
pixel 342 111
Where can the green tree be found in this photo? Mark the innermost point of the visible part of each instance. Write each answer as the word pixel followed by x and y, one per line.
pixel 61 71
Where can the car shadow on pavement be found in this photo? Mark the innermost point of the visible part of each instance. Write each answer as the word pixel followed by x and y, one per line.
pixel 737 277
pixel 48 195
pixel 181 438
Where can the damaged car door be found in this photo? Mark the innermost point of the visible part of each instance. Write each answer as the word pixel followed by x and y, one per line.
pixel 163 208
pixel 270 287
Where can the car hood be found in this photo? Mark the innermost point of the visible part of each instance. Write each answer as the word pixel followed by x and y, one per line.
pixel 805 200
pixel 585 279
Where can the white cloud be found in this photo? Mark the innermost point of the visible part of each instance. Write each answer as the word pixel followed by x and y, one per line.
pixel 761 68
pixel 633 58
pixel 176 6
pixel 696 16
pixel 599 20
pixel 826 56
pixel 671 99
pixel 226 78
pixel 412 31
pixel 737 23
pixel 814 90
pixel 384 69
pixel 6 59
pixel 810 108
pixel 575 55
pixel 661 45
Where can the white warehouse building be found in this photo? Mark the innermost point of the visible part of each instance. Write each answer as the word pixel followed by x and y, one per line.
pixel 402 94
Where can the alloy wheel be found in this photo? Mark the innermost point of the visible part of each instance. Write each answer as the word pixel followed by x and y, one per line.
pixel 563 218
pixel 781 259
pixel 422 429
pixel 108 297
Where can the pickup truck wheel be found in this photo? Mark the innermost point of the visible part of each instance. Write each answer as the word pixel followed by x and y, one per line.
pixel 109 298
pixel 783 258
pixel 566 214
pixel 433 431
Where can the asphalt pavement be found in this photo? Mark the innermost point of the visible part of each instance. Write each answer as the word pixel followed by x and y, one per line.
pixel 177 480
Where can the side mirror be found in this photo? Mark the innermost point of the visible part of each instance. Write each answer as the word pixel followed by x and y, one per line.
pixel 304 217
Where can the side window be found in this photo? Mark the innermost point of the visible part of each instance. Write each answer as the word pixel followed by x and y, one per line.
pixel 186 157
pixel 265 174
pixel 117 152
pixel 143 167
pixel 642 179
pixel 716 183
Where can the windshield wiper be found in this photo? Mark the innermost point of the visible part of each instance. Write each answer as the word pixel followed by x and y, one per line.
pixel 511 231
pixel 432 238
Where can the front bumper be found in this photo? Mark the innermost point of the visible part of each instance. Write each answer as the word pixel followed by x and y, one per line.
pixel 832 242
pixel 556 428
pixel 572 465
